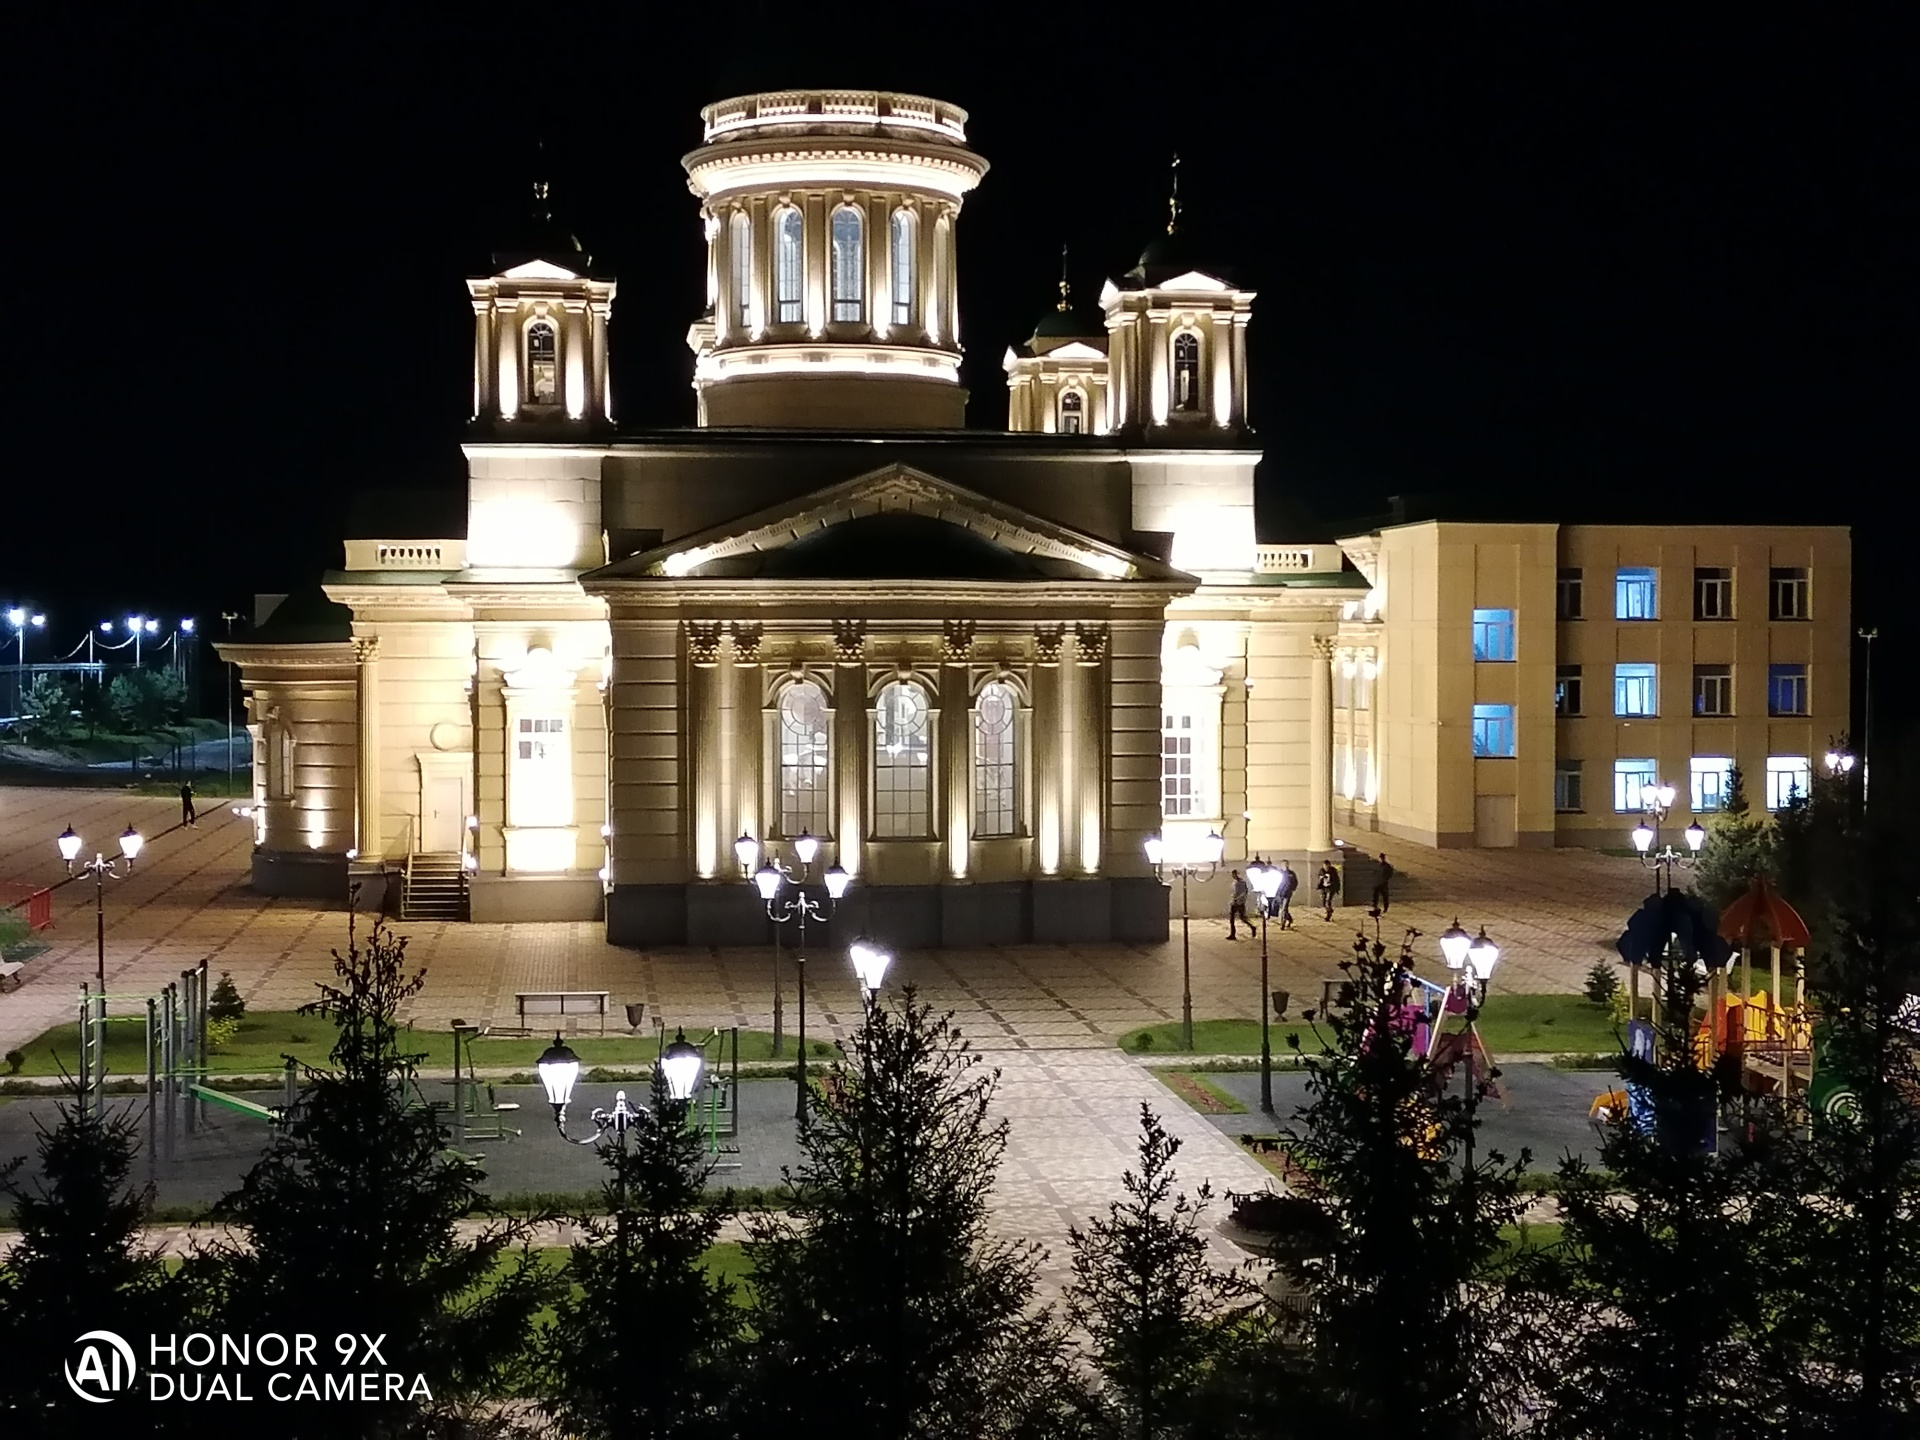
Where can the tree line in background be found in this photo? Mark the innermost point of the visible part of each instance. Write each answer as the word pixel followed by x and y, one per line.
pixel 1767 1287
pixel 56 710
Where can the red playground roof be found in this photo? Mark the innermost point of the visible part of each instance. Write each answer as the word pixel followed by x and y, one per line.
pixel 1761 917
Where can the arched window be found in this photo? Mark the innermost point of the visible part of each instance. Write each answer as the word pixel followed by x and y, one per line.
pixel 849 265
pixel 902 763
pixel 996 710
pixel 543 364
pixel 801 736
pixel 906 269
pixel 788 254
pixel 1186 371
pixel 740 267
pixel 1073 413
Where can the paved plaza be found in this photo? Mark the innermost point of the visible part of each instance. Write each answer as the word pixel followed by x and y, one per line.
pixel 1047 1014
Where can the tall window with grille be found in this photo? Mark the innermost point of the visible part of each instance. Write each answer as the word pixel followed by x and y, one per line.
pixel 905 235
pixel 849 265
pixel 1568 594
pixel 1181 791
pixel 800 736
pixel 1186 371
pixel 1787 690
pixel 1713 593
pixel 1790 597
pixel 996 712
pixel 740 267
pixel 1636 594
pixel 789 257
pixel 543 364
pixel 1712 690
pixel 902 763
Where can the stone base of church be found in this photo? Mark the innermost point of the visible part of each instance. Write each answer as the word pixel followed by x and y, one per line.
pixel 919 917
pixel 507 899
pixel 303 874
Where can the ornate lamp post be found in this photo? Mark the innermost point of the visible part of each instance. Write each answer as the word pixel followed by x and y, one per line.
pixel 1471 958
pixel 1656 801
pixel 870 962
pixel 100 868
pixel 746 850
pixel 1184 861
pixel 770 879
pixel 1265 880
pixel 681 1064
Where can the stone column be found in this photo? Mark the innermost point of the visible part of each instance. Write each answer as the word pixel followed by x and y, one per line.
pixel 1220 334
pixel 1048 799
pixel 815 259
pixel 956 744
pixel 506 354
pixel 575 361
pixel 703 745
pixel 1089 724
pixel 601 383
pixel 482 356
pixel 850 732
pixel 366 651
pixel 1320 749
pixel 749 729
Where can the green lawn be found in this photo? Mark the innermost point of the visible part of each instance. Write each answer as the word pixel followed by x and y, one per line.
pixel 267 1035
pixel 1510 1024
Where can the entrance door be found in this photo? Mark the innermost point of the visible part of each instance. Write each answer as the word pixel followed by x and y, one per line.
pixel 446 807
pixel 1494 825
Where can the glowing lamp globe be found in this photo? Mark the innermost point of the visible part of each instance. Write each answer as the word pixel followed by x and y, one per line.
pixel 837 881
pixel 746 850
pixel 1696 836
pixel 1213 847
pixel 69 845
pixel 1483 955
pixel 1454 944
pixel 806 847
pixel 1643 838
pixel 558 1068
pixel 1156 849
pixel 681 1064
pixel 767 881
pixel 130 843
pixel 870 962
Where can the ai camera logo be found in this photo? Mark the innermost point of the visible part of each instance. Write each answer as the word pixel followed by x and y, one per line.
pixel 104 1367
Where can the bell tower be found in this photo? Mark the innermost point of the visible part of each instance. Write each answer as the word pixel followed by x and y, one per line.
pixel 540 333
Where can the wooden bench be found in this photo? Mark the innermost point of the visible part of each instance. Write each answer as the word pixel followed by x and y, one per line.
pixel 562 1002
pixel 10 970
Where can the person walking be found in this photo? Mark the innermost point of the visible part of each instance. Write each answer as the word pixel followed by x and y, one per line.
pixel 1383 877
pixel 1237 907
pixel 1328 884
pixel 187 817
pixel 1282 902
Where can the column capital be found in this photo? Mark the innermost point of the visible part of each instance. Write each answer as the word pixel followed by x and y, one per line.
pixel 1090 644
pixel 703 643
pixel 746 643
pixel 956 642
pixel 366 648
pixel 1046 643
pixel 849 642
pixel 1323 646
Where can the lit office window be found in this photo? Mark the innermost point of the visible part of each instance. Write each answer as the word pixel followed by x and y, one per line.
pixel 1493 634
pixel 1181 791
pixel 1712 781
pixel 541 778
pixel 1636 595
pixel 902 763
pixel 1789 778
pixel 1636 690
pixel 1493 732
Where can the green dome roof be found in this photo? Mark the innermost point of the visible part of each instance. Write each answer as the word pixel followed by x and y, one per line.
pixel 305 617
pixel 1058 324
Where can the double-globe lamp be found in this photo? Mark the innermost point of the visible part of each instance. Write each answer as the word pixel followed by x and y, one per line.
pixel 558 1067
pixel 1468 954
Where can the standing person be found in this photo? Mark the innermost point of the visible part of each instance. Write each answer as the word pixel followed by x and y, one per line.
pixel 187 816
pixel 1383 878
pixel 1328 884
pixel 1237 907
pixel 1282 901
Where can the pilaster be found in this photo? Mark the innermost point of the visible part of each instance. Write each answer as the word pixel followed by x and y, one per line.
pixel 366 654
pixel 1320 743
pixel 956 743
pixel 1089 720
pixel 851 727
pixel 703 746
pixel 1048 788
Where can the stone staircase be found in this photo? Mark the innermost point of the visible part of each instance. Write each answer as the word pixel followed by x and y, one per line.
pixel 436 887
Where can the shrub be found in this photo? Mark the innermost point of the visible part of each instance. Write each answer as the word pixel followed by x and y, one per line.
pixel 1619 1005
pixel 16 1061
pixel 1602 984
pixel 1144 1041
pixel 225 1002
pixel 220 1033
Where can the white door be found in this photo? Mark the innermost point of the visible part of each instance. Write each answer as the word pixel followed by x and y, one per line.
pixel 1494 825
pixel 446 806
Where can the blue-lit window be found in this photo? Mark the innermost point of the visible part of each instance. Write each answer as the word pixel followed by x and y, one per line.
pixel 1636 595
pixel 1493 635
pixel 1636 690
pixel 1493 732
pixel 1712 781
pixel 1630 778
pixel 1787 690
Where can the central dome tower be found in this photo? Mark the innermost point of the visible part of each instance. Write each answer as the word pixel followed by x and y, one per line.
pixel 830 220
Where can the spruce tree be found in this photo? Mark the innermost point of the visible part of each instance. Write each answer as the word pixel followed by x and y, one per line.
pixel 880 1307
pixel 353 1223
pixel 645 1343
pixel 1410 1329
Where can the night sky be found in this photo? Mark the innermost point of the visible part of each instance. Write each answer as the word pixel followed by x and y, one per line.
pixel 1510 254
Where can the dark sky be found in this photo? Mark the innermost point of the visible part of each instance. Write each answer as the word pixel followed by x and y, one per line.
pixel 1539 253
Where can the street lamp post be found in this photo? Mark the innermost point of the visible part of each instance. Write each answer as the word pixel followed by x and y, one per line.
pixel 770 879
pixel 1471 958
pixel 746 850
pixel 1203 855
pixel 1656 801
pixel 1265 880
pixel 23 621
pixel 558 1067
pixel 100 868
pixel 1868 634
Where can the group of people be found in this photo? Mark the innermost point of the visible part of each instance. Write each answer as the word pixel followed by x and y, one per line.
pixel 1279 906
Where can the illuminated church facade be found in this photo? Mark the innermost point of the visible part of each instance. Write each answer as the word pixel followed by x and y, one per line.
pixel 979 667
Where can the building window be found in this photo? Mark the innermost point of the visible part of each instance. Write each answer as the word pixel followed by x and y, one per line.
pixel 1568 792
pixel 1630 780
pixel 1712 781
pixel 905 235
pixel 1186 371
pixel 995 710
pixel 1712 690
pixel 802 741
pixel 1789 594
pixel 1636 690
pixel 1181 788
pixel 740 267
pixel 1713 594
pixel 1493 634
pixel 1787 690
pixel 1073 412
pixel 849 265
pixel 543 364
pixel 1789 778
pixel 1636 595
pixel 1567 597
pixel 1493 732
pixel 789 254
pixel 280 762
pixel 902 763
pixel 1342 683
pixel 1566 691
pixel 542 780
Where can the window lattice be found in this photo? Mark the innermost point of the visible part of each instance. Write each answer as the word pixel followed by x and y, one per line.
pixel 995 711
pixel 740 262
pixel 849 265
pixel 802 738
pixel 1179 781
pixel 1186 371
pixel 543 363
pixel 905 246
pixel 788 253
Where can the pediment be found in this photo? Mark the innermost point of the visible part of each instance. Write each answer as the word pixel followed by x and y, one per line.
pixel 899 524
pixel 538 270
pixel 1076 350
pixel 1195 280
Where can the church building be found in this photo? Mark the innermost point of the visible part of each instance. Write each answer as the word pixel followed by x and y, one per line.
pixel 978 668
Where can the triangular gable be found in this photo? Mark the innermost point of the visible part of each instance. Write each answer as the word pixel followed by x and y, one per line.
pixel 538 270
pixel 896 489
pixel 1075 350
pixel 1194 280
